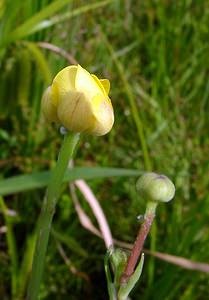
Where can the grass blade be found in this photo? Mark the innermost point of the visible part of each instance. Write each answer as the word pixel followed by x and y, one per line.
pixel 40 61
pixel 39 22
pixel 27 27
pixel 11 244
pixel 132 102
pixel 23 183
pixel 63 17
pixel 26 265
pixel 70 242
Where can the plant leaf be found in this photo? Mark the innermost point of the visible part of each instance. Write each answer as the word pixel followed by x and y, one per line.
pixel 126 288
pixel 40 61
pixel 27 27
pixel 26 265
pixel 23 183
pixel 39 21
pixel 11 244
pixel 72 244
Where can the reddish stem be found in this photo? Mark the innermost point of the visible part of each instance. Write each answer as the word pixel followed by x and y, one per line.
pixel 137 248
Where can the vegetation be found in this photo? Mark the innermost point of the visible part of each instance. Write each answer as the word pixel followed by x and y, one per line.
pixel 155 54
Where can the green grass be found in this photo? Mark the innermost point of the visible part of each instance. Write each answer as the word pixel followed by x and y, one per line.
pixel 155 54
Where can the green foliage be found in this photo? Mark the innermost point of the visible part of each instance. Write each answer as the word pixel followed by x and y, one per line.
pixel 23 183
pixel 155 54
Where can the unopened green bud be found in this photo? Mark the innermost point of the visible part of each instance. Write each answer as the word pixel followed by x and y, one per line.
pixel 118 261
pixel 155 187
pixel 118 258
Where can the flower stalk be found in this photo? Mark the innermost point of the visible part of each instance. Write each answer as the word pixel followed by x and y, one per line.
pixel 44 223
pixel 154 188
pixel 138 245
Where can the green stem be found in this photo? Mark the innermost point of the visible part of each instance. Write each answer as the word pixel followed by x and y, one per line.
pixel 110 285
pixel 47 212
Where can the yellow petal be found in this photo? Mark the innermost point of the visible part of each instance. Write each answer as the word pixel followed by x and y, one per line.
pixel 106 85
pixel 75 112
pixel 99 84
pixel 48 108
pixel 63 83
pixel 79 101
pixel 86 84
pixel 103 113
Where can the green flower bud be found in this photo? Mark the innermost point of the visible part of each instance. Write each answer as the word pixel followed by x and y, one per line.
pixel 118 261
pixel 155 187
pixel 118 258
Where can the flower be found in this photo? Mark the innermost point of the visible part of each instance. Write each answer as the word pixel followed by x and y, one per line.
pixel 79 101
pixel 155 187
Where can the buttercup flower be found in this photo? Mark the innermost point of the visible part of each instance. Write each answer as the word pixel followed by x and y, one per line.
pixel 79 101
pixel 155 187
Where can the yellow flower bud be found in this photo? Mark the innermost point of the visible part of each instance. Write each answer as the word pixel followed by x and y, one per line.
pixel 79 101
pixel 155 187
pixel 48 108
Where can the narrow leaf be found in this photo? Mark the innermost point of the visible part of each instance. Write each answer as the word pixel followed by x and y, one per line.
pixel 72 244
pixel 40 20
pixel 40 61
pixel 26 265
pixel 48 11
pixel 65 16
pixel 23 183
pixel 11 244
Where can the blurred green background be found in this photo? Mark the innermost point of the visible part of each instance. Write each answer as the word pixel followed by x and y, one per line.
pixel 155 53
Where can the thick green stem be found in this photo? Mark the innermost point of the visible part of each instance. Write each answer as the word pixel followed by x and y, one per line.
pixel 48 209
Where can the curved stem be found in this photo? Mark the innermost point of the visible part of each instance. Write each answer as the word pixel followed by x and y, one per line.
pixel 97 211
pixel 44 223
